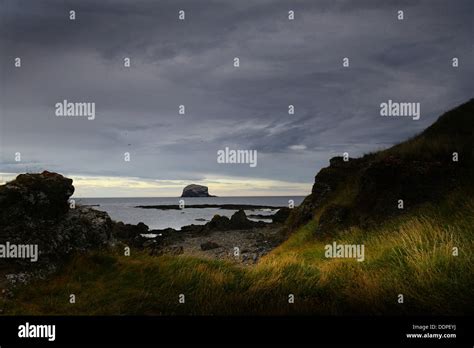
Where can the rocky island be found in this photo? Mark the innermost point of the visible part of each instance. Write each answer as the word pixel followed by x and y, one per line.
pixel 194 190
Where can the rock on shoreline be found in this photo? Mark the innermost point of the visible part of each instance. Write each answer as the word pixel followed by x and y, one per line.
pixel 35 214
pixel 217 239
pixel 35 209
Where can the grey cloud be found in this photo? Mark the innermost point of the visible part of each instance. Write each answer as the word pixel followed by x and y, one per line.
pixel 190 63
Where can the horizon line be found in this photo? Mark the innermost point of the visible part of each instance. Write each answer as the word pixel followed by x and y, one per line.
pixel 297 195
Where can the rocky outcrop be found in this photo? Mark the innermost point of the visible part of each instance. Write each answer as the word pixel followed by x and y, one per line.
pixel 370 188
pixel 168 237
pixel 34 210
pixel 33 196
pixel 366 191
pixel 238 221
pixel 281 215
pixel 194 190
pixel 131 234
pixel 218 223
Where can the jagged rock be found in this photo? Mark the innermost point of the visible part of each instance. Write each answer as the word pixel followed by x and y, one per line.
pixel 34 209
pixel 194 190
pixel 131 234
pixel 82 229
pixel 42 195
pixel 218 223
pixel 128 231
pixel 326 183
pixel 281 215
pixel 239 221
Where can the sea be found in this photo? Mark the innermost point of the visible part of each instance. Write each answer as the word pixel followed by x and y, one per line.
pixel 124 209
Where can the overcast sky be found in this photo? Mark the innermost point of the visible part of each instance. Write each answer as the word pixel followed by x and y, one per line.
pixel 190 62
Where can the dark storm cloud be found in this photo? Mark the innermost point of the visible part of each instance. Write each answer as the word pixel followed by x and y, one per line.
pixel 282 62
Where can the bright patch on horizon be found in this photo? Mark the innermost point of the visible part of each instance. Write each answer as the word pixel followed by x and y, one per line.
pixel 104 186
pixel 297 147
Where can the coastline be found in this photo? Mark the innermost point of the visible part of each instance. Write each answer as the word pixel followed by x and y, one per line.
pixel 244 246
pixel 237 239
pixel 204 206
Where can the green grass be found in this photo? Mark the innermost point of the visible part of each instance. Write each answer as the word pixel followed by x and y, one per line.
pixel 410 255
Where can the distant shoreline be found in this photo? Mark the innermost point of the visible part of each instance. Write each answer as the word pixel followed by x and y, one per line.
pixel 179 197
pixel 201 206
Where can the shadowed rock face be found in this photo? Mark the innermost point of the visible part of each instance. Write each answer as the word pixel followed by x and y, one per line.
pixel 196 191
pixel 34 209
pixel 42 195
pixel 281 215
pixel 132 234
pixel 376 183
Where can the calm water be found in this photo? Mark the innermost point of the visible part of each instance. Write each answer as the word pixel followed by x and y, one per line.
pixel 123 209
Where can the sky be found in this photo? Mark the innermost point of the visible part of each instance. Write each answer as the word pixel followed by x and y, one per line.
pixel 174 62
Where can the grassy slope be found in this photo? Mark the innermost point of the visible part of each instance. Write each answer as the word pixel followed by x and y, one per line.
pixel 409 255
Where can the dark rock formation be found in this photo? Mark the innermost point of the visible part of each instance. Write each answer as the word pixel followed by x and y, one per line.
pixel 239 221
pixel 372 186
pixel 169 236
pixel 281 215
pixel 34 209
pixel 194 190
pixel 42 195
pixel 220 223
pixel 127 231
pixel 130 234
